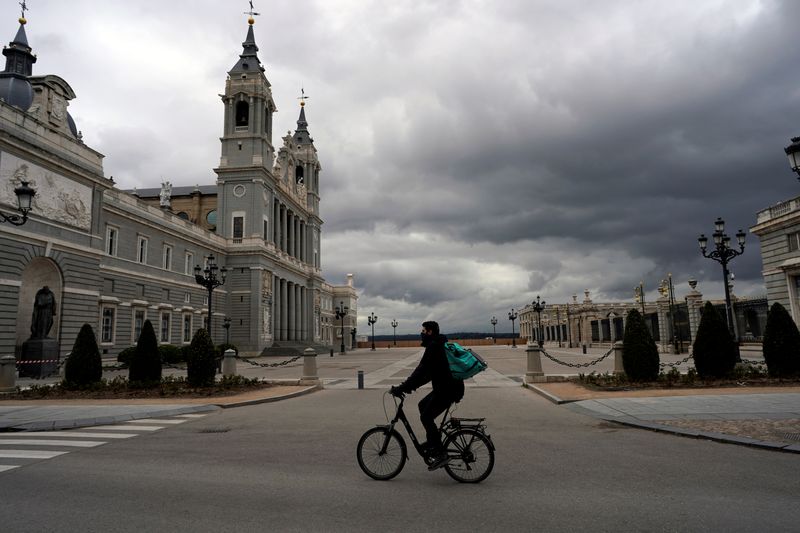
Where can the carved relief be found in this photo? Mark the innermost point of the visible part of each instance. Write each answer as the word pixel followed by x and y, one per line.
pixel 266 284
pixel 57 198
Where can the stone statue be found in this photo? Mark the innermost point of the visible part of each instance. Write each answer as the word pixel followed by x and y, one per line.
pixel 165 194
pixel 44 308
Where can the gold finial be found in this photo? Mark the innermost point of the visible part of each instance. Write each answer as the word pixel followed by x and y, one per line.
pixel 302 97
pixel 22 19
pixel 250 19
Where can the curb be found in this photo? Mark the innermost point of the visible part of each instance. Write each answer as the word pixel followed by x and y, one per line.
pixel 549 396
pixel 307 390
pixel 55 425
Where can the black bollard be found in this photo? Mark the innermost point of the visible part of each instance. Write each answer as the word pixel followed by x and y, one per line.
pixel 331 352
pixel 360 379
pixel 584 348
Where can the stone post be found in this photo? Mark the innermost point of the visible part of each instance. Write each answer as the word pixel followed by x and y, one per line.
pixel 534 373
pixel 229 363
pixel 665 344
pixel 618 366
pixel 694 305
pixel 309 367
pixel 8 373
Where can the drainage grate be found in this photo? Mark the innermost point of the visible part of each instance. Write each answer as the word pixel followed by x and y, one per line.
pixel 792 436
pixel 214 430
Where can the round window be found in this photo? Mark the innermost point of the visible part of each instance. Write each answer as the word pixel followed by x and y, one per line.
pixel 211 217
pixel 183 215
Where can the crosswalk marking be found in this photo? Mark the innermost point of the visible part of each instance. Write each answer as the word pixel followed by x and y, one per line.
pixel 88 437
pixel 129 427
pixel 51 442
pixel 156 421
pixel 80 434
pixel 29 454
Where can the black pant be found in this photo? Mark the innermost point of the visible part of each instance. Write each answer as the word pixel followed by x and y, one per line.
pixel 430 407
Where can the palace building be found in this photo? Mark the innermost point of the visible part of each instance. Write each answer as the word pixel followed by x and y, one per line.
pixel 115 258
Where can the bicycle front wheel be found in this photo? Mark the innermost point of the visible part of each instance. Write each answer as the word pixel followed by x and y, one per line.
pixel 471 456
pixel 374 461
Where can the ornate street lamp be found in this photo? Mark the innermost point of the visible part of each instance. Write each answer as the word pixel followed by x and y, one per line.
pixel 638 292
pixel 538 307
pixel 208 278
pixel 723 254
pixel 371 319
pixel 558 325
pixel 394 327
pixel 24 200
pixel 512 316
pixel 341 312
pixel 493 322
pixel 793 152
pixel 227 325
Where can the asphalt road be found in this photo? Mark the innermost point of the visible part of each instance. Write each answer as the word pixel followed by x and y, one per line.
pixel 290 466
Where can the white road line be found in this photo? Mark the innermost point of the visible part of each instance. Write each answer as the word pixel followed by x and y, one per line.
pixel 79 434
pixel 29 454
pixel 3 468
pixel 51 442
pixel 156 421
pixel 129 427
pixel 193 416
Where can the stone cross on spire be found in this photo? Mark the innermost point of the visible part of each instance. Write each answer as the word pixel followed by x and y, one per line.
pixel 303 97
pixel 252 13
pixel 25 8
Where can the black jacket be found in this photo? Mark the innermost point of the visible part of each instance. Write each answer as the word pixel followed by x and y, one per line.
pixel 433 367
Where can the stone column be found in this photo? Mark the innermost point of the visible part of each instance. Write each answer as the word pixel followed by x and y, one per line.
pixel 284 310
pixel 292 304
pixel 298 315
pixel 297 237
pixel 283 228
pixel 276 307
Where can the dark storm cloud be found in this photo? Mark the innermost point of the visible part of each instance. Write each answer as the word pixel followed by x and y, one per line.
pixel 474 154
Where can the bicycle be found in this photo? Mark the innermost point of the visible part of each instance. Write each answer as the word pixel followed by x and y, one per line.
pixel 382 452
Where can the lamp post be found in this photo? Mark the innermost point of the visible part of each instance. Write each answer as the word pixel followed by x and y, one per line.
pixel 512 316
pixel 538 307
pixel 558 325
pixel 793 152
pixel 638 292
pixel 723 254
pixel 371 319
pixel 569 327
pixel 394 327
pixel 493 322
pixel 24 200
pixel 227 325
pixel 208 278
pixel 341 312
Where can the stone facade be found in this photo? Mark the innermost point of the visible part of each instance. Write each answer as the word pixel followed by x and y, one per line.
pixel 115 258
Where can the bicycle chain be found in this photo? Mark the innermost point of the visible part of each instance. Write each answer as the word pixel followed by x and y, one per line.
pixel 578 365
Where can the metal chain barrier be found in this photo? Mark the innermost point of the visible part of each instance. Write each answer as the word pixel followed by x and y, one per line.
pixel 751 362
pixel 269 365
pixel 578 365
pixel 677 363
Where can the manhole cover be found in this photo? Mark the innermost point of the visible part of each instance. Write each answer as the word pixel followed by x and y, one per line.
pixel 792 436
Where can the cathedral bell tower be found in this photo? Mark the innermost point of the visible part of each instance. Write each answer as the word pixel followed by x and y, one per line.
pixel 244 172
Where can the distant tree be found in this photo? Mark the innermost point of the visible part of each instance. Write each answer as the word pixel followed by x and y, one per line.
pixel 781 343
pixel 84 365
pixel 714 352
pixel 640 354
pixel 201 363
pixel 146 361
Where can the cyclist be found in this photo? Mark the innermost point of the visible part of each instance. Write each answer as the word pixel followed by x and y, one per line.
pixel 433 367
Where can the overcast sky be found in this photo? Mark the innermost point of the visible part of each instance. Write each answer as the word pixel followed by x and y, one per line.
pixel 475 154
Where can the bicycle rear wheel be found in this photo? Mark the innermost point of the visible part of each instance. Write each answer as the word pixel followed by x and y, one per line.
pixel 471 456
pixel 377 465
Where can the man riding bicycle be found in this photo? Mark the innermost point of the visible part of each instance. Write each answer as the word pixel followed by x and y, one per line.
pixel 433 367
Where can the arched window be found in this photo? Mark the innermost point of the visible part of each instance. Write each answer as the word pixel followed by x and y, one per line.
pixel 298 174
pixel 184 215
pixel 242 114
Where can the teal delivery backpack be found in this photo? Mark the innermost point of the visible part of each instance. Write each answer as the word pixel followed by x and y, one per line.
pixel 463 363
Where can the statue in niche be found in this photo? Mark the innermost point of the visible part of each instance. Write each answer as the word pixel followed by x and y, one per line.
pixel 44 309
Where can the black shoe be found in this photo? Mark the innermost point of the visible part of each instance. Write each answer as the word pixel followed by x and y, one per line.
pixel 438 461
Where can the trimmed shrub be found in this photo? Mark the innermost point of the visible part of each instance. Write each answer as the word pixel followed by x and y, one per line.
pixel 201 363
pixel 639 355
pixel 781 343
pixel 170 354
pixel 714 352
pixel 126 355
pixel 84 366
pixel 146 363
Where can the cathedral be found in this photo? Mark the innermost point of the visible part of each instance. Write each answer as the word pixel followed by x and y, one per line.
pixel 114 259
